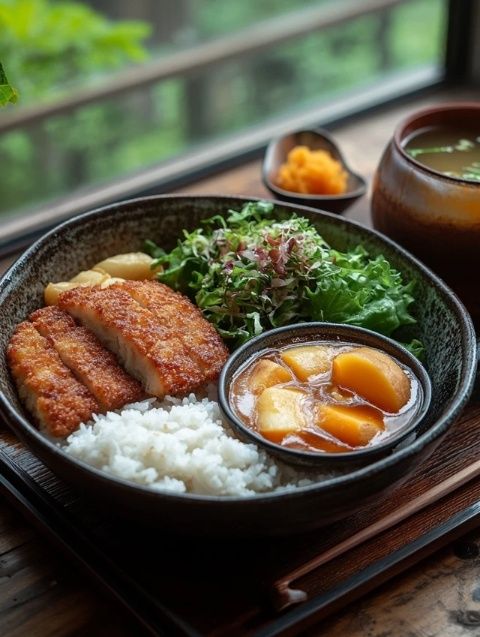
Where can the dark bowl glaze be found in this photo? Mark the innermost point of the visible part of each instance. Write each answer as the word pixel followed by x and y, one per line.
pixel 443 325
pixel 305 333
pixel 434 216
pixel 318 139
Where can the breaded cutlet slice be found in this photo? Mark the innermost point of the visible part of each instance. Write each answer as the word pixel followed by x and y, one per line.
pixel 81 351
pixel 200 338
pixel 52 394
pixel 147 349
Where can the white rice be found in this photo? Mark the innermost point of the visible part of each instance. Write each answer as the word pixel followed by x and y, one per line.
pixel 180 446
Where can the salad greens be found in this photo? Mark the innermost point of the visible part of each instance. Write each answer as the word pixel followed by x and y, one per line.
pixel 249 272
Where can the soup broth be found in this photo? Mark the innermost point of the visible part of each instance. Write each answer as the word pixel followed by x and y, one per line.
pixel 301 397
pixel 454 152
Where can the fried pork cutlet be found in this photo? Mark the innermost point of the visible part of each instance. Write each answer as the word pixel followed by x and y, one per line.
pixel 198 336
pixel 148 348
pixel 56 399
pixel 80 350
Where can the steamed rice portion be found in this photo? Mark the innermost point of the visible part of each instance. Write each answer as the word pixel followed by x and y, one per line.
pixel 180 446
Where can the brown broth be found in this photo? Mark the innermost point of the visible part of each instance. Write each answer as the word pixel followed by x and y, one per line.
pixel 317 390
pixel 454 152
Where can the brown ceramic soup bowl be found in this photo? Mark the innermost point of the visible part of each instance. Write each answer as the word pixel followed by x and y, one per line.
pixel 435 216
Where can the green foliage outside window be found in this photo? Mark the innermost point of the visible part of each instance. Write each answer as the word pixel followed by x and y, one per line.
pixel 7 92
pixel 50 46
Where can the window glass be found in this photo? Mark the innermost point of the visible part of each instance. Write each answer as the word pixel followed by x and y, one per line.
pixel 54 50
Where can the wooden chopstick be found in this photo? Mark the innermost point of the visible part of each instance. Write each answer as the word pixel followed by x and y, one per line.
pixel 284 595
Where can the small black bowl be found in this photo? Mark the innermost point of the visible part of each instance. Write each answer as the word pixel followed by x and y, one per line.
pixel 306 333
pixel 318 139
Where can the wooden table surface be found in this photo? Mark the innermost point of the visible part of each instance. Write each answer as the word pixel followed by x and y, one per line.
pixel 41 595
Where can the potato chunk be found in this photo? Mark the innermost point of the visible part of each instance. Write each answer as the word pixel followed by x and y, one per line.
pixel 374 376
pixel 266 373
pixel 53 291
pixel 308 360
pixel 134 266
pixel 86 278
pixel 355 425
pixel 90 277
pixel 112 280
pixel 279 412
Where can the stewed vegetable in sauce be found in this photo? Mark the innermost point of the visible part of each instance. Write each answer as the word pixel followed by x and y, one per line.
pixel 326 397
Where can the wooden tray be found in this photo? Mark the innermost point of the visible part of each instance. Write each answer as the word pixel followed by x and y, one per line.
pixel 185 586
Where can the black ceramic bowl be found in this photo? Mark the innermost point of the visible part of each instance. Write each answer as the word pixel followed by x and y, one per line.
pixel 443 325
pixel 318 139
pixel 299 334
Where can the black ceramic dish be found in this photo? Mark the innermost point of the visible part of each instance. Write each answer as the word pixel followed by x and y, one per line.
pixel 443 325
pixel 318 139
pixel 306 333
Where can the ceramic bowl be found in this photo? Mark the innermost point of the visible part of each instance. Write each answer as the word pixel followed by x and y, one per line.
pixel 442 324
pixel 306 333
pixel 434 216
pixel 318 139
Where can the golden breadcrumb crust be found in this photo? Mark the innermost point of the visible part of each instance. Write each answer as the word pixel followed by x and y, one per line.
pixel 85 356
pixel 154 349
pixel 56 399
pixel 199 337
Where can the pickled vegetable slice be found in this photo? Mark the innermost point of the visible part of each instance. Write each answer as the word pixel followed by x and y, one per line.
pixel 133 266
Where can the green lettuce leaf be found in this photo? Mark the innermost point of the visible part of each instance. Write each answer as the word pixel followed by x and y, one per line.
pixel 249 272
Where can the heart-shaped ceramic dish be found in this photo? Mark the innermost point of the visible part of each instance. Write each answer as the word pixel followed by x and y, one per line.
pixel 443 325
pixel 319 139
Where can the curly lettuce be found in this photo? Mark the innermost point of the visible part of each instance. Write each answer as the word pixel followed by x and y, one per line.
pixel 250 272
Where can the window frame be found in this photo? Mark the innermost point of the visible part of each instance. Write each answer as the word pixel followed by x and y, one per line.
pixel 462 53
